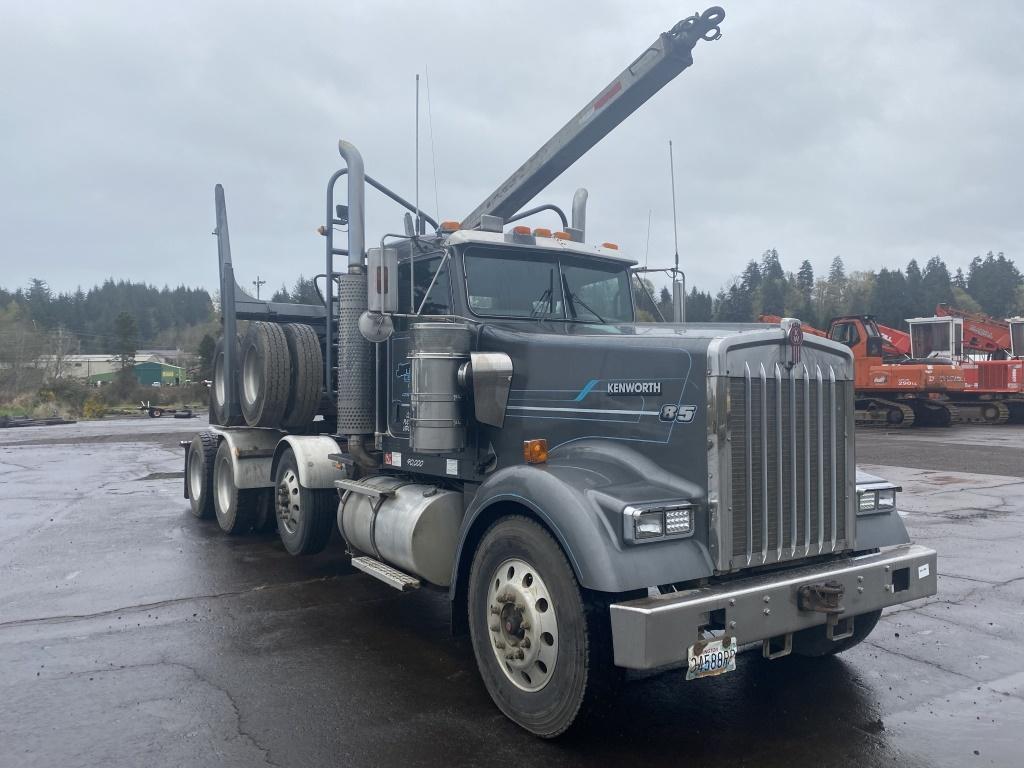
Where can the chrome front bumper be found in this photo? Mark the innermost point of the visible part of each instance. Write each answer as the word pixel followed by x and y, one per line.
pixel 656 631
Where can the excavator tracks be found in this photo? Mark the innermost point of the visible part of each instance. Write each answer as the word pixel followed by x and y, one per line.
pixel 878 412
pixel 983 412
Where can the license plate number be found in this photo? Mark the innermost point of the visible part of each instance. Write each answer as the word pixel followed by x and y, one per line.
pixel 711 657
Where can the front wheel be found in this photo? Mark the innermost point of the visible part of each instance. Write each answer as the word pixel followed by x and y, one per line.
pixel 543 645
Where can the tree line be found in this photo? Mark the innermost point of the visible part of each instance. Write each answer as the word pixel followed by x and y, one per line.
pixel 90 318
pixel 114 318
pixel 992 285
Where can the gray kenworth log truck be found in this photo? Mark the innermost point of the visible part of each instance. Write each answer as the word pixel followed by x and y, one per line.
pixel 477 410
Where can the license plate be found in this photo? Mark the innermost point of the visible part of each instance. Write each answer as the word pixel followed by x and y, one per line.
pixel 711 657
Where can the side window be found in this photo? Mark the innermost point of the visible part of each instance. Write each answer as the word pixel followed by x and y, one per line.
pixel 845 333
pixel 439 301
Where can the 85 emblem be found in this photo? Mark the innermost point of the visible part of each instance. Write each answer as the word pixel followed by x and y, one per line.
pixel 682 413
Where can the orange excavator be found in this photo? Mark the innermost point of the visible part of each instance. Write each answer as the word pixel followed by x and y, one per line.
pixel 984 347
pixel 895 393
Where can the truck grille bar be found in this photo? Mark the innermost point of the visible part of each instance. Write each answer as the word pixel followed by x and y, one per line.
pixel 787 443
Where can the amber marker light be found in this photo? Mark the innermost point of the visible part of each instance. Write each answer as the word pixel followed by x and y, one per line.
pixel 562 235
pixel 541 232
pixel 449 226
pixel 521 230
pixel 535 451
pixel 610 246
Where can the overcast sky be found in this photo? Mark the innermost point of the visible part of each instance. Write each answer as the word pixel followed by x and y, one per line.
pixel 879 132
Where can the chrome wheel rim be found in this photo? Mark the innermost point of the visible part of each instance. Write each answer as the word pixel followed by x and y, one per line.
pixel 523 631
pixel 225 486
pixel 287 506
pixel 195 475
pixel 218 381
pixel 250 378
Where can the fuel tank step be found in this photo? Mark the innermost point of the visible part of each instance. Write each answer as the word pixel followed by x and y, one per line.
pixel 403 582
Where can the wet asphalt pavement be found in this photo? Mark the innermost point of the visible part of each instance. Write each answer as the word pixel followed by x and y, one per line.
pixel 132 634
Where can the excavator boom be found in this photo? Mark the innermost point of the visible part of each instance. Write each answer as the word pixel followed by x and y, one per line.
pixel 981 332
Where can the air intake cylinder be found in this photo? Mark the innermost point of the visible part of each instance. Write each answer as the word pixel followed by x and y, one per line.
pixel 438 424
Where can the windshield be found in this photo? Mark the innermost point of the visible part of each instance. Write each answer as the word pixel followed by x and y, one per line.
pixel 931 339
pixel 503 283
pixel 1017 338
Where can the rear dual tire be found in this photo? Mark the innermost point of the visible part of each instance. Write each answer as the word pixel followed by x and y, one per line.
pixel 201 453
pixel 234 507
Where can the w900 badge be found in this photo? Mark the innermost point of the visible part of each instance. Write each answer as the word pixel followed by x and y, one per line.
pixel 682 413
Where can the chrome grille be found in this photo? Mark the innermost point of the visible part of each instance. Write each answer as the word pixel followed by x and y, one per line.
pixel 790 489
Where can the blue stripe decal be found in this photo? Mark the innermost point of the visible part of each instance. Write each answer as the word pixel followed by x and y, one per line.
pixel 586 389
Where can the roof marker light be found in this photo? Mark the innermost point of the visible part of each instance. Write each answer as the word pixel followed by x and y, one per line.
pixel 541 232
pixel 449 226
pixel 521 230
pixel 562 235
pixel 610 246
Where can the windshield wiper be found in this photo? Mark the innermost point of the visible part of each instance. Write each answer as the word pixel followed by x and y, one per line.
pixel 536 311
pixel 577 300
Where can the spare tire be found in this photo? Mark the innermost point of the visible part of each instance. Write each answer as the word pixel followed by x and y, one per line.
pixel 218 390
pixel 264 375
pixel 307 369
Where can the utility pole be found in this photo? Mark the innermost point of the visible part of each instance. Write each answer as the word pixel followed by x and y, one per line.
pixel 257 282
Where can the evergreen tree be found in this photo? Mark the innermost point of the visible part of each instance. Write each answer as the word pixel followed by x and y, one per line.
pixel 914 300
pixel 665 304
pixel 994 284
pixel 888 297
pixel 936 284
pixel 699 307
pixel 126 341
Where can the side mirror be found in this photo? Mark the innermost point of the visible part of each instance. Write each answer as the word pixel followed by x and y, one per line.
pixel 382 280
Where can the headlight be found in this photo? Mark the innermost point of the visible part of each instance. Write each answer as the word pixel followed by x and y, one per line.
pixel 887 499
pixel 648 523
pixel 872 500
pixel 867 501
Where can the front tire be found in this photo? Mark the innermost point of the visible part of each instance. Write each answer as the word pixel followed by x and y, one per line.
pixel 542 644
pixel 235 507
pixel 305 516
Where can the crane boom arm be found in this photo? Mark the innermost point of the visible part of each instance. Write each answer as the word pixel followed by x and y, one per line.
pixel 665 58
pixel 981 332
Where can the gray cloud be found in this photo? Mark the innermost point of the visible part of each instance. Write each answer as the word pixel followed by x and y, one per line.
pixel 876 132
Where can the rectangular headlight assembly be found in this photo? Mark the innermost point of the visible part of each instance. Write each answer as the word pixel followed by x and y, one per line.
pixel 874 500
pixel 641 524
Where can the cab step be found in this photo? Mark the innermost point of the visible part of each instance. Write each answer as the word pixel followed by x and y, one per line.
pixel 403 582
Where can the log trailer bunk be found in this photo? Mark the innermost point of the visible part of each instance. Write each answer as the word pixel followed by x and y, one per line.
pixel 891 389
pixel 477 410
